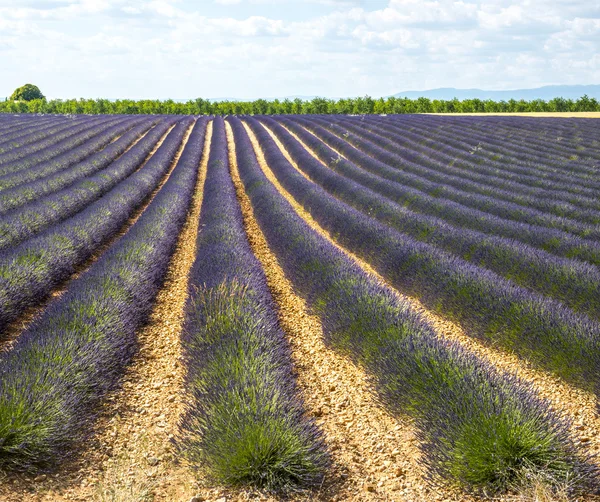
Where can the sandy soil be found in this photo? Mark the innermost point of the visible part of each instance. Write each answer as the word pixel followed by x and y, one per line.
pixel 131 455
pixel 571 402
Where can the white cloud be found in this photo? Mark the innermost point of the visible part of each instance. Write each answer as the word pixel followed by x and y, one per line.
pixel 180 48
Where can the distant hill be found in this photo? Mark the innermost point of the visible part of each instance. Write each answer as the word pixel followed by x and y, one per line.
pixel 547 92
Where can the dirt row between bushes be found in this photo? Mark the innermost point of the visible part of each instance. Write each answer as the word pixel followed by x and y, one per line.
pixel 572 403
pixel 375 455
pixel 20 324
pixel 130 456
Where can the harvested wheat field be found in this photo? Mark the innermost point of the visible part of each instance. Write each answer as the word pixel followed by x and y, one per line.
pixel 327 308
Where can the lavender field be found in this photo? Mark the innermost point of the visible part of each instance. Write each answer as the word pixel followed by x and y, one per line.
pixel 313 307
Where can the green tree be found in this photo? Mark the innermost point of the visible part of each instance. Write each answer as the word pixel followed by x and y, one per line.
pixel 319 105
pixel 28 92
pixel 585 104
pixel 424 105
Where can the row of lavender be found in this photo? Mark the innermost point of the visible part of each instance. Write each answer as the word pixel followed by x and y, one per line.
pixel 485 304
pixel 31 269
pixel 245 422
pixel 397 184
pixel 70 356
pixel 436 179
pixel 457 401
pixel 66 360
pixel 460 168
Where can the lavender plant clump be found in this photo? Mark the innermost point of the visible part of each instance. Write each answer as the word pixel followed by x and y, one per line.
pixel 245 422
pixel 65 362
pixel 458 401
pixel 29 271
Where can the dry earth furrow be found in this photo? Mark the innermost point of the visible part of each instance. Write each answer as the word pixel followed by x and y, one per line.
pixel 138 418
pixel 375 454
pixel 573 403
pixel 567 400
pixel 142 418
pixel 20 324
pixel 135 142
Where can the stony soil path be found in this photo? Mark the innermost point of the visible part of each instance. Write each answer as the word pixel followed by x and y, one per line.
pixel 130 457
pixel 375 455
pixel 573 403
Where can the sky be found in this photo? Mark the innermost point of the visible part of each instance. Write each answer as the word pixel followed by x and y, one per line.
pixel 248 49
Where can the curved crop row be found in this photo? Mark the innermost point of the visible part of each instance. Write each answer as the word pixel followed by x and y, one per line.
pixel 394 186
pixel 49 183
pixel 67 159
pixel 27 221
pixel 29 271
pixel 245 422
pixel 19 122
pixel 12 135
pixel 28 155
pixel 505 146
pixel 485 304
pixel 441 189
pixel 459 173
pixel 528 141
pixel 574 283
pixel 457 401
pixel 64 363
pixel 36 133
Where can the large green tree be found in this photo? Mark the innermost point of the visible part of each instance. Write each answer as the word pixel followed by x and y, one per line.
pixel 28 92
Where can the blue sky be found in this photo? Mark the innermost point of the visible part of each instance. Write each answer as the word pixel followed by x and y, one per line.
pixel 273 48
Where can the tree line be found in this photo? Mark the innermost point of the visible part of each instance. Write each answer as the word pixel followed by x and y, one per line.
pixel 355 106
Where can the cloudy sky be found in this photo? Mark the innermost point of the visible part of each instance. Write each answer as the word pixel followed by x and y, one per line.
pixel 273 48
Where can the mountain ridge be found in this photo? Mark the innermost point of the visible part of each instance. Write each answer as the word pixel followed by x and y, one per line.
pixel 546 93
